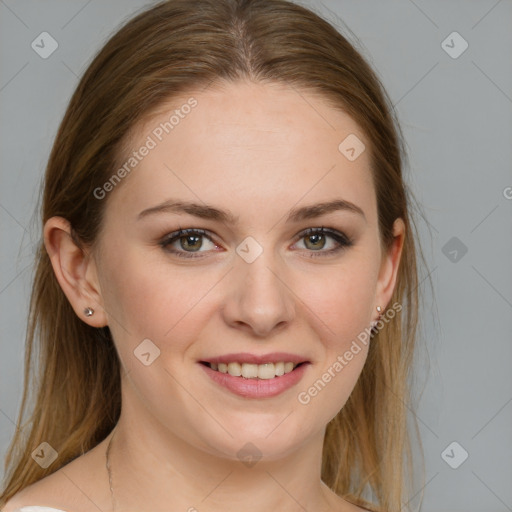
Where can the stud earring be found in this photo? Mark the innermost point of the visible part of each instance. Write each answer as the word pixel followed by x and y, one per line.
pixel 88 311
pixel 375 322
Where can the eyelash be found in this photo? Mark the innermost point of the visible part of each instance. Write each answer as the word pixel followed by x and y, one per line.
pixel 341 239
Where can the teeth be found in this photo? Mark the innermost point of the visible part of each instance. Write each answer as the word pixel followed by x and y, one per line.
pixel 249 371
pixel 288 367
pixel 254 371
pixel 234 369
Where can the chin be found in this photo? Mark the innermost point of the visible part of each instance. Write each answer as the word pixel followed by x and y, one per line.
pixel 265 441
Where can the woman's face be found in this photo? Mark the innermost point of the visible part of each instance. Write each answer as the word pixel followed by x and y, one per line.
pixel 248 165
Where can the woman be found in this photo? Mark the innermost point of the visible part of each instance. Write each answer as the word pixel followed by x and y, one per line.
pixel 225 297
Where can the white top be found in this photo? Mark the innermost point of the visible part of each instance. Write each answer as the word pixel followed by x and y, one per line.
pixel 38 509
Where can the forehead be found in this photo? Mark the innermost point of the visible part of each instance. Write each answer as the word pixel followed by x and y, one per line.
pixel 249 144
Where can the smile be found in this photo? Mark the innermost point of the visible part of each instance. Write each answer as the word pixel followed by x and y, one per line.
pixel 254 371
pixel 250 380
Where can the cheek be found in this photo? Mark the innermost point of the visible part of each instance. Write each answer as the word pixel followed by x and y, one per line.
pixel 341 298
pixel 148 299
pixel 339 303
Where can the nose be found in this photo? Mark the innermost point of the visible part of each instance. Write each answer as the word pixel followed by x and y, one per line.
pixel 258 299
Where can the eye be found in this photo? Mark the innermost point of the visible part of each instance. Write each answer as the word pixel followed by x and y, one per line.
pixel 188 241
pixel 316 240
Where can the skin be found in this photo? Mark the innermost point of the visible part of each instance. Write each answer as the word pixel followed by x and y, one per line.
pixel 257 151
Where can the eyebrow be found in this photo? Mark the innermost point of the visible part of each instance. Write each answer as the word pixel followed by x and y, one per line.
pixel 225 216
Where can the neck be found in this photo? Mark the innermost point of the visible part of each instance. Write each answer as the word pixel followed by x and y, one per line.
pixel 152 469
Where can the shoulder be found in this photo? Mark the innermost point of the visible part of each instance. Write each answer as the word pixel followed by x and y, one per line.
pixel 340 504
pixel 71 488
pixel 48 494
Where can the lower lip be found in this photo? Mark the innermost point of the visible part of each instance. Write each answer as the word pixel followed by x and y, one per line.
pixel 256 388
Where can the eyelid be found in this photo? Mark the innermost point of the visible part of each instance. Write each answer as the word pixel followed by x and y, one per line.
pixel 182 232
pixel 334 233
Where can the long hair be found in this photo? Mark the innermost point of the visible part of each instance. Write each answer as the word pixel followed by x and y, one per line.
pixel 171 48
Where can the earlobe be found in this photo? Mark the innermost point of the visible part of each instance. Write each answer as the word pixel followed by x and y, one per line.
pixel 73 268
pixel 390 264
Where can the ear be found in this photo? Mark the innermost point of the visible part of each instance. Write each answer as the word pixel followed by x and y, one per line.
pixel 75 270
pixel 389 267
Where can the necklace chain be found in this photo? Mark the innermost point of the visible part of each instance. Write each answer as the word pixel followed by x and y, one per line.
pixel 109 471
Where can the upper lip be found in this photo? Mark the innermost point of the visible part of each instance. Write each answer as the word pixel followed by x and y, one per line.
pixel 246 357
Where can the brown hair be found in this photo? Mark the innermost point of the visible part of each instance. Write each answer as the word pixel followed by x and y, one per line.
pixel 170 49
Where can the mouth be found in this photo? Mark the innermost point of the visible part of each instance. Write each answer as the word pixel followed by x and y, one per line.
pixel 265 371
pixel 256 376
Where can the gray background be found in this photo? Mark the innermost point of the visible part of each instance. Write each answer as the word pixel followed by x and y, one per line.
pixel 456 114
